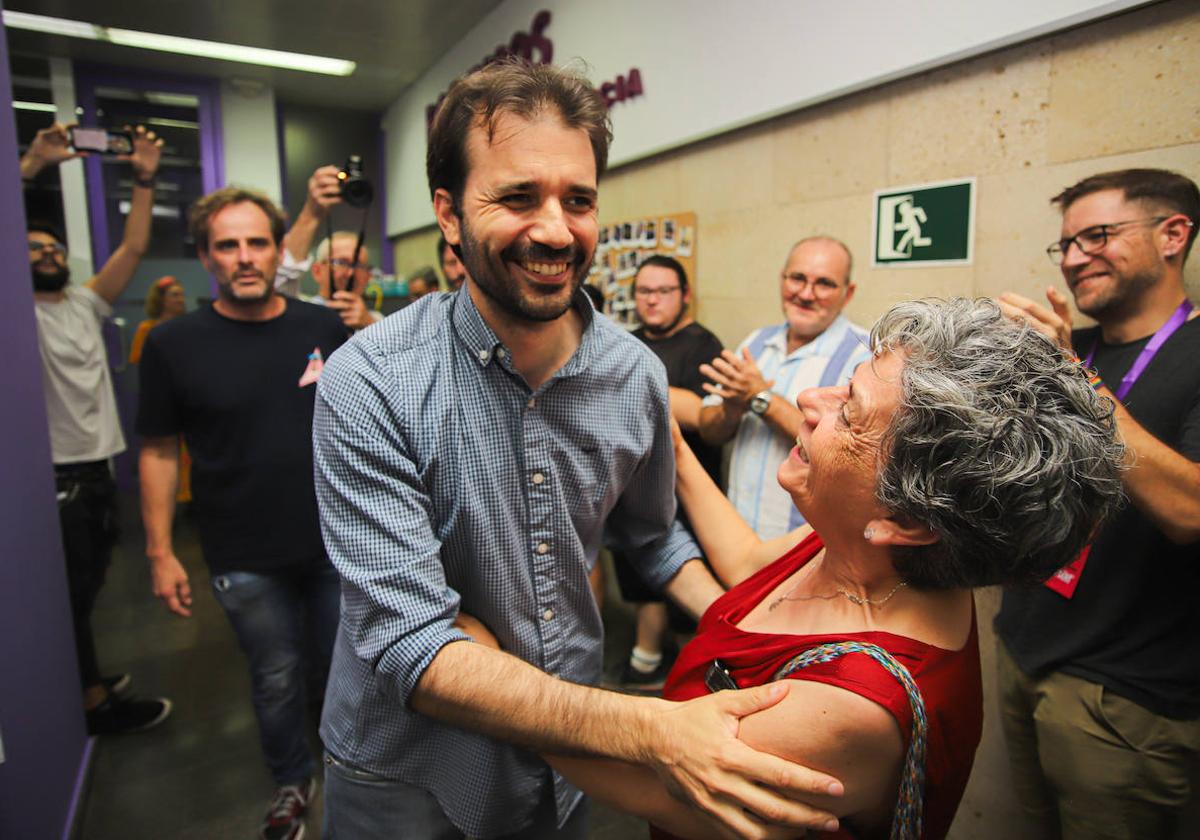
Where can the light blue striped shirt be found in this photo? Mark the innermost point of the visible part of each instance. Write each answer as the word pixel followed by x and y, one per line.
pixel 444 482
pixel 758 450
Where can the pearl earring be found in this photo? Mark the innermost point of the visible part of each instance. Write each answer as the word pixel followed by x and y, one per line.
pixel 869 533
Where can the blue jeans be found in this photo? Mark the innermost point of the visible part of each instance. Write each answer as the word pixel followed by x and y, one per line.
pixel 362 806
pixel 285 623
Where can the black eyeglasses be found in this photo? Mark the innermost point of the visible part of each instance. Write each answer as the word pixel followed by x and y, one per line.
pixel 52 247
pixel 1092 241
pixel 655 293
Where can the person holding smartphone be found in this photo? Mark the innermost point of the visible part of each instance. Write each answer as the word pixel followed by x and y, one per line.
pixel 85 432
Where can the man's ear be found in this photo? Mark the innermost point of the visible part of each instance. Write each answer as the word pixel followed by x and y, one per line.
pixel 898 531
pixel 202 255
pixel 850 287
pixel 1176 232
pixel 447 219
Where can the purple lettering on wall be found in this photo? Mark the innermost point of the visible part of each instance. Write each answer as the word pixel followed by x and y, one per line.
pixel 622 88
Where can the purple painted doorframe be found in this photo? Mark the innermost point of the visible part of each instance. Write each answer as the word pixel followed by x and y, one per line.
pixel 212 159
pixel 41 718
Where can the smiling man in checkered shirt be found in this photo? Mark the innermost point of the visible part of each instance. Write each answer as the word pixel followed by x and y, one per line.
pixel 469 453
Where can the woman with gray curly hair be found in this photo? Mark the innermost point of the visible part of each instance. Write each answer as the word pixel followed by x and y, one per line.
pixel 970 451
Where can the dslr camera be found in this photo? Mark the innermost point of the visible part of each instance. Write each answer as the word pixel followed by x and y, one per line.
pixel 356 190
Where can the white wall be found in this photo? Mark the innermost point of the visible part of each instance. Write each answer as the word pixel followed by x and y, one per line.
pixel 250 137
pixel 709 66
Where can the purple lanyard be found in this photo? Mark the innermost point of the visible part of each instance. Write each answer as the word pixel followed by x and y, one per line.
pixel 1144 358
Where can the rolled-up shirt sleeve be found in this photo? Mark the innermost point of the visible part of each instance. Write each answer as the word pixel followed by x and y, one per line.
pixel 644 525
pixel 398 609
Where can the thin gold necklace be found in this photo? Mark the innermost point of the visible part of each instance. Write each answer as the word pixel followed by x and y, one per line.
pixel 849 596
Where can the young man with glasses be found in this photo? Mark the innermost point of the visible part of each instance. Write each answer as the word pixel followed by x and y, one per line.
pixel 1099 679
pixel 341 279
pixel 85 431
pixel 662 295
pixel 753 392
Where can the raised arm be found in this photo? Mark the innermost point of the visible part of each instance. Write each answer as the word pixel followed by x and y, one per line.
pixel 736 379
pixel 324 193
pixel 114 276
pixel 50 147
pixel 1163 483
pixel 731 547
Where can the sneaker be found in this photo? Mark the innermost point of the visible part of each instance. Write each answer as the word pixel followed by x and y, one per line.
pixel 117 684
pixel 116 716
pixel 638 681
pixel 285 817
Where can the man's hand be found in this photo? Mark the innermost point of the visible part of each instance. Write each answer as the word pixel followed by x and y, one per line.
pixel 50 147
pixel 324 191
pixel 147 151
pixel 702 762
pixel 1054 323
pixel 477 630
pixel 736 379
pixel 352 309
pixel 169 582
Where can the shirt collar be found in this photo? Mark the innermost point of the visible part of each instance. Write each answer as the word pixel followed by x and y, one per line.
pixel 484 346
pixel 822 345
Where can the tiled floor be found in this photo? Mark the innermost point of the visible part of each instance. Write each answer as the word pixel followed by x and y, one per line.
pixel 200 775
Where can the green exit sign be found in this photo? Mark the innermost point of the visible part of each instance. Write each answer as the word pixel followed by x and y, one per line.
pixel 925 224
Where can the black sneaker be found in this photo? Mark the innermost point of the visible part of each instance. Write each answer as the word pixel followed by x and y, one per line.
pixel 118 684
pixel 116 716
pixel 285 817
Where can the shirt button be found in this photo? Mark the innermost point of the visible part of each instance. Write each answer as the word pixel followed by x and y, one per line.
pixel 532 402
pixel 500 354
pixel 542 548
pixel 538 478
pixel 483 355
pixel 548 614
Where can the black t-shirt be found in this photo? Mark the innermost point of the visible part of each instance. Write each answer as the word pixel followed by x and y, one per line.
pixel 1133 624
pixel 232 389
pixel 682 354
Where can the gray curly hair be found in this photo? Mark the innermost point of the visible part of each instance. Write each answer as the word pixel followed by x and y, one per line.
pixel 1000 446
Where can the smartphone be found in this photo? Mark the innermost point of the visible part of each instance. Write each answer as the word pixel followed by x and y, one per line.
pixel 102 140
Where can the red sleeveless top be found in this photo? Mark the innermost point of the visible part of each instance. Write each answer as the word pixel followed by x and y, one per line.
pixel 950 681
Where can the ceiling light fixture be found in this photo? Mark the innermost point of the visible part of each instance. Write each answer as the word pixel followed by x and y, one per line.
pixel 34 106
pixel 183 46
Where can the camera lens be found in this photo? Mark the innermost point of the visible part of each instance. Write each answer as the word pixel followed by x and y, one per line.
pixel 356 190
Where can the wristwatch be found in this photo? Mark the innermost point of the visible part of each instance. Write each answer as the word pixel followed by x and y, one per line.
pixel 760 402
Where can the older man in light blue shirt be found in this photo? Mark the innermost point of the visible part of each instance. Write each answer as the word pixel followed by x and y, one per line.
pixel 753 391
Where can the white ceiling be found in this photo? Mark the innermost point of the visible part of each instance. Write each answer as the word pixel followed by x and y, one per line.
pixel 393 41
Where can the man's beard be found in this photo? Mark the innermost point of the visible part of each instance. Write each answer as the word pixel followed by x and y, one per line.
pixel 491 274
pixel 225 291
pixel 1122 297
pixel 665 330
pixel 51 281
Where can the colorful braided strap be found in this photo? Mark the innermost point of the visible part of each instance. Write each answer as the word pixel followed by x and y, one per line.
pixel 908 820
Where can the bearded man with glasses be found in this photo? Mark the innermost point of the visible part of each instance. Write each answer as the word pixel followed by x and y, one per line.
pixel 1099 681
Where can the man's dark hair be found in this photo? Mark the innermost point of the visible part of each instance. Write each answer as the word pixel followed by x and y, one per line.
pixel 510 87
pixel 1161 188
pixel 48 228
pixel 663 261
pixel 205 207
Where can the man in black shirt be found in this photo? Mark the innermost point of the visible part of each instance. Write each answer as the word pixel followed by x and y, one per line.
pixel 662 295
pixel 237 380
pixel 1099 674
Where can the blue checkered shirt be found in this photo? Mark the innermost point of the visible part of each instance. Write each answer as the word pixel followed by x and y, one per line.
pixel 445 483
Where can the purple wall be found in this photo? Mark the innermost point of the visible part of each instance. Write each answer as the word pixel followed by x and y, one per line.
pixel 45 744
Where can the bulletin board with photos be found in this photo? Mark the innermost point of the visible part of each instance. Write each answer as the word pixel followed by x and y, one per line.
pixel 622 247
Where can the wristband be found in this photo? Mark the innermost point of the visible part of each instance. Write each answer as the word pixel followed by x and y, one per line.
pixel 1093 376
pixel 146 183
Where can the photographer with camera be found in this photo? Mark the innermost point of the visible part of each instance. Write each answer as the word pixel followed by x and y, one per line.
pixel 341 274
